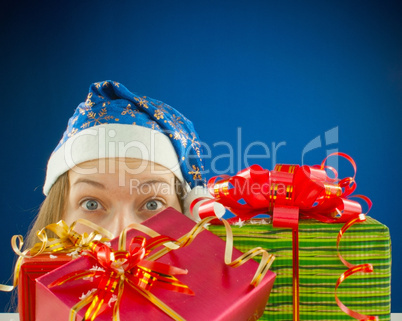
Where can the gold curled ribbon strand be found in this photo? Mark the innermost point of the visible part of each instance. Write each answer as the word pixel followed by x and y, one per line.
pixel 6 288
pixel 93 226
pixel 168 246
pixel 9 288
pixel 185 240
pixel 17 242
pixel 146 230
pixel 265 263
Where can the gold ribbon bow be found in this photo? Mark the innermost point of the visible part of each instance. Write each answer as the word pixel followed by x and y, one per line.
pixel 67 241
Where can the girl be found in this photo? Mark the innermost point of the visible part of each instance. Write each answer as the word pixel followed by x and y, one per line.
pixel 122 159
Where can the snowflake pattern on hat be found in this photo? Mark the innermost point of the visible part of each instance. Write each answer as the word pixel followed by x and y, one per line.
pixel 110 102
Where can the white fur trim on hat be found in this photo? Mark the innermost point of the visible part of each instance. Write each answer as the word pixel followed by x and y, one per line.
pixel 112 141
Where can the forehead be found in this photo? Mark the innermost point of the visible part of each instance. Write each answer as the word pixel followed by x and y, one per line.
pixel 120 167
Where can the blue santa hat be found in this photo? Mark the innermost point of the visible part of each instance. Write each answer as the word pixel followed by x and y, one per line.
pixel 114 122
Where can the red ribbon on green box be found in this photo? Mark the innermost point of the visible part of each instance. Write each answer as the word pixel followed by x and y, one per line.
pixel 290 193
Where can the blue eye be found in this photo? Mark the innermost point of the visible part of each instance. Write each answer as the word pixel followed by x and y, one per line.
pixel 153 205
pixel 91 205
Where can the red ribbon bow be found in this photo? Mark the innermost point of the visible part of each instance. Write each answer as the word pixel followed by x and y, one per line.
pixel 285 192
pixel 116 268
pixel 288 193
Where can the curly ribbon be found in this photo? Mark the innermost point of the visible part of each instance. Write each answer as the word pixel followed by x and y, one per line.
pixel 67 241
pixel 129 267
pixel 288 193
pixel 365 268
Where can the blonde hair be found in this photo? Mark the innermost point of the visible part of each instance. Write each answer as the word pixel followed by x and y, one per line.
pixel 51 210
pixel 54 206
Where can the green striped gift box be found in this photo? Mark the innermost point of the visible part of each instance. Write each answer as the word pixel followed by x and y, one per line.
pixel 320 267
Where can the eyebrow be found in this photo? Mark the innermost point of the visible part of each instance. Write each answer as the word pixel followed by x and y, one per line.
pixel 90 182
pixel 155 181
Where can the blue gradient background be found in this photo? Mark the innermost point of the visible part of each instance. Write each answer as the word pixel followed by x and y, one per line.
pixel 278 71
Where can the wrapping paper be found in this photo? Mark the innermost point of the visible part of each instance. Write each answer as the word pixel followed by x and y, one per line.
pixel 221 292
pixel 320 267
pixel 30 270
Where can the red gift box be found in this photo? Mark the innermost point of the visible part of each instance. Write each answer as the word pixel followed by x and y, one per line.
pixel 221 292
pixel 30 270
pixel 55 252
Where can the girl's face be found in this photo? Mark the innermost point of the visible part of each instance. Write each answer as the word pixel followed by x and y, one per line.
pixel 114 193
